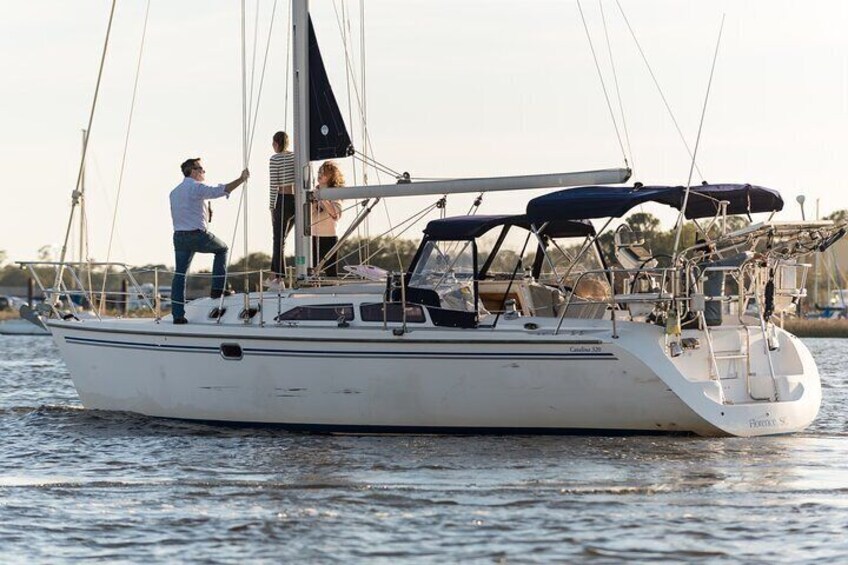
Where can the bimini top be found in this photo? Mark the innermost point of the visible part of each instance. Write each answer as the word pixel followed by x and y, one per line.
pixel 615 201
pixel 470 227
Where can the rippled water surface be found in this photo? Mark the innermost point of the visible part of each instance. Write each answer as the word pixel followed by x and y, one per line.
pixel 82 484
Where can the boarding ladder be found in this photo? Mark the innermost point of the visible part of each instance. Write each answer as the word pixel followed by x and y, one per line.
pixel 735 362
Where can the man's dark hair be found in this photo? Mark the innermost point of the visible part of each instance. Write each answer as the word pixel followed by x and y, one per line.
pixel 188 165
pixel 281 138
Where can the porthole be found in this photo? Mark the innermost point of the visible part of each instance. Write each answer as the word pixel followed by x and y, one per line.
pixel 231 351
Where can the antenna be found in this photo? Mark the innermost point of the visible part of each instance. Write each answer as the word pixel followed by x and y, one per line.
pixel 682 214
pixel 800 199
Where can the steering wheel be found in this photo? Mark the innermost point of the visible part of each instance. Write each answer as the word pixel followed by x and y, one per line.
pixel 640 272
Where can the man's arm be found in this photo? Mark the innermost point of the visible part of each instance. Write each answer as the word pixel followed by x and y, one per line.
pixel 232 185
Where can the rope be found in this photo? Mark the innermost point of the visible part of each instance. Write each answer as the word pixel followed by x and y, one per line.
pixel 475 206
pixel 126 146
pixel 60 271
pixel 659 89
pixel 601 78
pixel 697 144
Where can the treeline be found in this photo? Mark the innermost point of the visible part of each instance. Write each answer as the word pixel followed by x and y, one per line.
pixel 392 255
pixel 383 252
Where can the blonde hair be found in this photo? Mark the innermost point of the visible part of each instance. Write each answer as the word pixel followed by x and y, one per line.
pixel 334 174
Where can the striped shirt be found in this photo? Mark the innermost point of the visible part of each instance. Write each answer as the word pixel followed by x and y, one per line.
pixel 281 169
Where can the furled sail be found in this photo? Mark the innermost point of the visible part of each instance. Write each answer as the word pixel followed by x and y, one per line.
pixel 328 137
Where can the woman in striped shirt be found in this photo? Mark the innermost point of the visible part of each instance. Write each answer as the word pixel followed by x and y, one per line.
pixel 281 204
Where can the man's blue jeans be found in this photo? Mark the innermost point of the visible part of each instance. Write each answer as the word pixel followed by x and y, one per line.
pixel 186 244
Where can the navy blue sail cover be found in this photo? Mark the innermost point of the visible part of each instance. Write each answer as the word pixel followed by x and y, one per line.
pixel 328 137
pixel 615 201
pixel 470 227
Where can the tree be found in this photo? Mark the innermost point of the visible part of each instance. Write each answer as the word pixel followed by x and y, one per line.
pixel 838 216
pixel 643 222
pixel 736 223
pixel 384 252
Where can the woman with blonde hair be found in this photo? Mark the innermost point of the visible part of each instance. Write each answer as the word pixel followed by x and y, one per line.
pixel 325 216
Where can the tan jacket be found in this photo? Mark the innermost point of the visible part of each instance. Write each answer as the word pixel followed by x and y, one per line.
pixel 325 216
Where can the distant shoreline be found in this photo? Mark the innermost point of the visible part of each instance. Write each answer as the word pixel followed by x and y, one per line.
pixel 816 327
pixel 9 315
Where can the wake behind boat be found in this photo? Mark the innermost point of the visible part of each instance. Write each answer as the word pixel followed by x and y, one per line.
pixel 471 339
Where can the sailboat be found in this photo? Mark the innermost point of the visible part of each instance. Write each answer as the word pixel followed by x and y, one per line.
pixel 558 342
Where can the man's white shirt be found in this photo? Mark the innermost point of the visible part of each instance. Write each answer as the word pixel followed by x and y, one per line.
pixel 188 212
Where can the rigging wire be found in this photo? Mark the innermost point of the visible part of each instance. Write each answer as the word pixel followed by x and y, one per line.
pixel 253 64
pixel 603 83
pixel 245 120
pixel 124 155
pixel 248 132
pixel 346 34
pixel 364 124
pixel 617 88
pixel 288 67
pixel 344 26
pixel 697 143
pixel 475 206
pixel 60 270
pixel 374 164
pixel 659 88
pixel 394 237
pixel 261 79
pixel 367 142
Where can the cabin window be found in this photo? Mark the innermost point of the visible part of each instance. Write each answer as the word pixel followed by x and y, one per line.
pixel 394 313
pixel 580 268
pixel 216 313
pixel 443 263
pixel 318 313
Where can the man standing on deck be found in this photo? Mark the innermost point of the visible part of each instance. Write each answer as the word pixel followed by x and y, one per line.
pixel 189 215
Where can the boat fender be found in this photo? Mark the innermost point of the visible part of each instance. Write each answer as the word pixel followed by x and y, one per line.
pixel 672 323
pixel 768 309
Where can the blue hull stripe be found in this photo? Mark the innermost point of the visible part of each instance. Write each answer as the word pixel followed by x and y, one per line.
pixel 582 355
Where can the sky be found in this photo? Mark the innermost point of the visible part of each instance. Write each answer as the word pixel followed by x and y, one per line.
pixel 452 89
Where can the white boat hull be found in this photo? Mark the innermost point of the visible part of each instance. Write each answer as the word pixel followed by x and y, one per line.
pixel 427 380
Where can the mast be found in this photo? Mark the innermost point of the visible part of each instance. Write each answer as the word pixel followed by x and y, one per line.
pixel 302 170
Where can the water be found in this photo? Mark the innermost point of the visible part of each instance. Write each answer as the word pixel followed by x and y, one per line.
pixel 112 487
